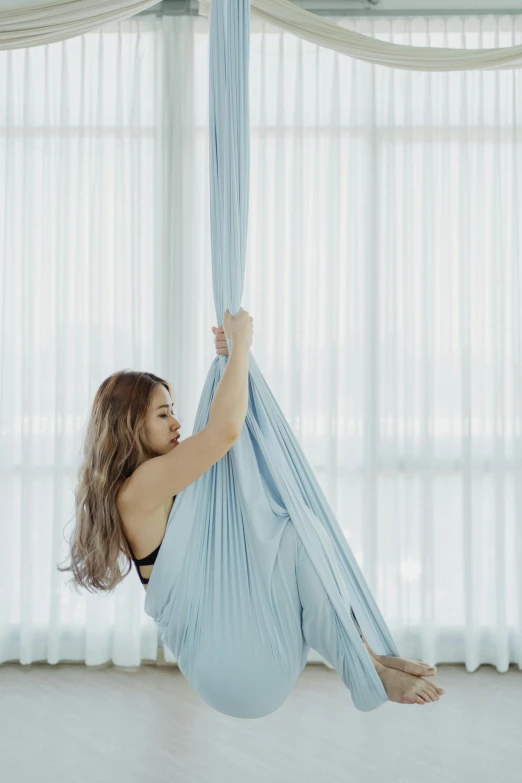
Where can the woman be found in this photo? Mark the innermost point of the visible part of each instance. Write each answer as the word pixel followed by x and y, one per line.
pixel 134 466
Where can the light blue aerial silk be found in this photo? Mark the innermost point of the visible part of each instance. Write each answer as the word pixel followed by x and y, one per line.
pixel 254 569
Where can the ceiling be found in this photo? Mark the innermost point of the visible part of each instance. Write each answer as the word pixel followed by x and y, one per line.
pixel 337 7
pixel 376 7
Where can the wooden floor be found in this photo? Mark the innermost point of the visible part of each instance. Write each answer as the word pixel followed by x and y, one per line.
pixel 73 724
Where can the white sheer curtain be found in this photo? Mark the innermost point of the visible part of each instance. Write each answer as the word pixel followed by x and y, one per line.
pixel 391 199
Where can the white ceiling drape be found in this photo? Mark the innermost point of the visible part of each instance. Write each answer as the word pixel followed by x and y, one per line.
pixel 39 22
pixel 318 30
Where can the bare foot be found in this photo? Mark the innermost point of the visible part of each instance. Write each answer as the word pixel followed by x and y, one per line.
pixel 404 688
pixel 418 668
pixel 405 665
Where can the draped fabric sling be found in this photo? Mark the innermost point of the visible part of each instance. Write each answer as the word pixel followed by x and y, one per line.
pixel 254 569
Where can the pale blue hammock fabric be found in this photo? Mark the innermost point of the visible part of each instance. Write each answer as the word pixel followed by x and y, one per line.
pixel 254 568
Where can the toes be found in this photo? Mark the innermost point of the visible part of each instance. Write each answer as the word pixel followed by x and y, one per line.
pixel 431 669
pixel 432 690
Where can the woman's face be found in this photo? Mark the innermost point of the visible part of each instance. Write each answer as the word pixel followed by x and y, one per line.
pixel 161 426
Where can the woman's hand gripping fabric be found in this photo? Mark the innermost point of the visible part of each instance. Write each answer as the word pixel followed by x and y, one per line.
pixel 220 341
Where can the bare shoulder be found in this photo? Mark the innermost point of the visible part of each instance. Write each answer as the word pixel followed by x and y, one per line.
pixel 154 483
pixel 143 531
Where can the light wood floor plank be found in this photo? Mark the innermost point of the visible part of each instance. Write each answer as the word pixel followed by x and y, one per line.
pixel 74 724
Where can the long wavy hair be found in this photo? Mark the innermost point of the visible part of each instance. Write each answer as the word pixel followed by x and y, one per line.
pixel 115 444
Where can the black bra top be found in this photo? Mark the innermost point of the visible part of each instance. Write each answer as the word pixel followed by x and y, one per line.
pixel 148 560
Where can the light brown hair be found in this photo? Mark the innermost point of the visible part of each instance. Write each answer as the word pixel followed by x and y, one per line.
pixel 115 444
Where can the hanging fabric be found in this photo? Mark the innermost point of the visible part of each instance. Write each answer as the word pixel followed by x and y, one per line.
pixel 254 568
pixel 36 22
pixel 288 16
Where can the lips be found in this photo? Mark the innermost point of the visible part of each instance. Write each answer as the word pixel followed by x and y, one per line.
pixel 175 440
